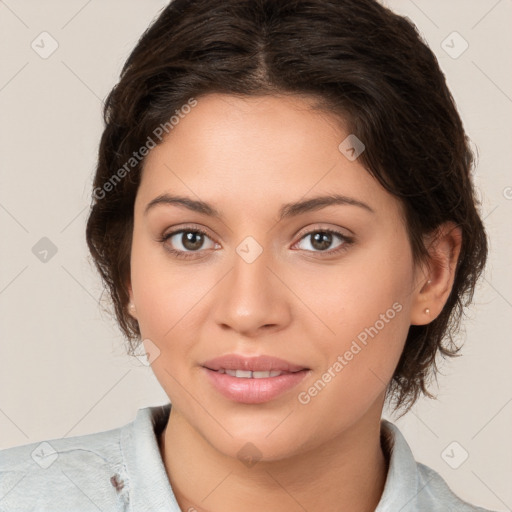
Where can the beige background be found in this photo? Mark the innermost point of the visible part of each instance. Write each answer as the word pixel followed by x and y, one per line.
pixel 63 371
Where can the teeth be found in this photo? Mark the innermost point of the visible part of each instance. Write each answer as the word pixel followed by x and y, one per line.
pixel 260 375
pixel 245 374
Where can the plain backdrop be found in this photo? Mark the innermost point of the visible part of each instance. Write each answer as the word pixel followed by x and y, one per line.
pixel 63 368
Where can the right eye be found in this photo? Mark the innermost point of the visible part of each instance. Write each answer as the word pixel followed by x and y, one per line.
pixel 185 243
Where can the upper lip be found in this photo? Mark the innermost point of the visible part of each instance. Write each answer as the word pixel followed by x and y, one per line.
pixel 261 363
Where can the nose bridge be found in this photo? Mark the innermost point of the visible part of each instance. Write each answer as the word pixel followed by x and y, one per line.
pixel 251 297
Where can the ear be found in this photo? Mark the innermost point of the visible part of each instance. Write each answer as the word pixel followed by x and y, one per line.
pixel 132 310
pixel 435 278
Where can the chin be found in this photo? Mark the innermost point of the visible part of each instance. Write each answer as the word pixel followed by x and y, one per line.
pixel 255 441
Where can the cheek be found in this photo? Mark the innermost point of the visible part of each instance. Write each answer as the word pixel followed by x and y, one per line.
pixel 354 382
pixel 367 305
pixel 155 287
pixel 169 297
pixel 167 300
pixel 367 287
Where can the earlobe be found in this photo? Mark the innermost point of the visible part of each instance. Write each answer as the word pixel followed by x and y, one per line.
pixel 438 274
pixel 132 310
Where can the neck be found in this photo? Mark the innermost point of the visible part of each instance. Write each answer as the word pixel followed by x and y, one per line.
pixel 348 472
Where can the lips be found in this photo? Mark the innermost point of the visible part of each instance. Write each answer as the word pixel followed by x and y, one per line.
pixel 253 364
pixel 252 380
pixel 247 374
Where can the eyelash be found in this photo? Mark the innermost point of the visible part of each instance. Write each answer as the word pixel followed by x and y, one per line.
pixel 346 241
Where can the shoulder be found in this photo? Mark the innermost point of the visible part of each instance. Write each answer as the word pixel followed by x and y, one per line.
pixel 411 486
pixel 437 494
pixel 76 473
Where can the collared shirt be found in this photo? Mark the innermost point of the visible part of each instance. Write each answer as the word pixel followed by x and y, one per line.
pixel 122 470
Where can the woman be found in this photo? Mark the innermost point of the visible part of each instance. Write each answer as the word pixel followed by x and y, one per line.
pixel 283 213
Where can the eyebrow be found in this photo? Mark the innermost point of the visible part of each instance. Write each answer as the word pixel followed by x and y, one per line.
pixel 286 211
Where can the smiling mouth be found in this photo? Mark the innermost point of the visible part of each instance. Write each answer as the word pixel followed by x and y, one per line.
pixel 253 379
pixel 246 374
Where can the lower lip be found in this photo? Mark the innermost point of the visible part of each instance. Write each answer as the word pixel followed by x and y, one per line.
pixel 254 391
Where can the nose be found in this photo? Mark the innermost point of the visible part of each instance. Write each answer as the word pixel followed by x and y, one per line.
pixel 252 299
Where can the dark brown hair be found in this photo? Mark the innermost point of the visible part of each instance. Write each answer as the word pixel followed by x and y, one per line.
pixel 366 65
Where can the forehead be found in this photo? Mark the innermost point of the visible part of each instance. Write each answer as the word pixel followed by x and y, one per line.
pixel 255 153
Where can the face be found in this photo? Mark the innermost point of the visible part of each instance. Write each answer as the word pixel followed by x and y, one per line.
pixel 252 268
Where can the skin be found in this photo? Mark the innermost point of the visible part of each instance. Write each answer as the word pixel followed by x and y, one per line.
pixel 247 157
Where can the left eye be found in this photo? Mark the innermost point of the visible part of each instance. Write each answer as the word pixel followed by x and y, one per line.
pixel 321 240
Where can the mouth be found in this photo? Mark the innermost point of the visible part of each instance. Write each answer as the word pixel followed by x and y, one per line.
pixel 253 380
pixel 243 365
pixel 247 374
